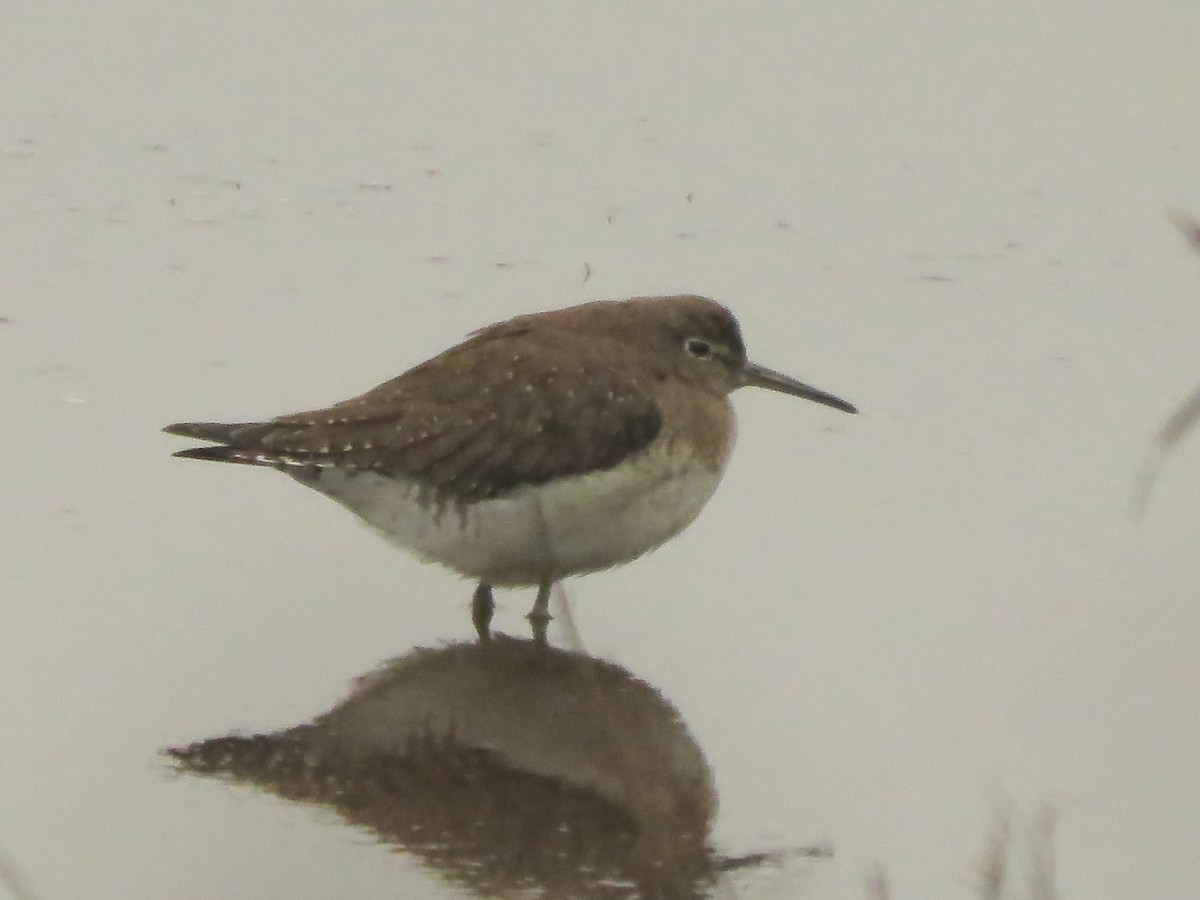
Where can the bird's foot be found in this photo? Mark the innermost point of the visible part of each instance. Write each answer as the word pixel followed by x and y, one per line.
pixel 539 617
pixel 538 621
pixel 482 607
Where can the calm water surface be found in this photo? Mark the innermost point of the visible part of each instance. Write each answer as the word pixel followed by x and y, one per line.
pixel 886 634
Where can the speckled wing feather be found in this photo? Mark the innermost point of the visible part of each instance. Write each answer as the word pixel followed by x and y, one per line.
pixel 513 405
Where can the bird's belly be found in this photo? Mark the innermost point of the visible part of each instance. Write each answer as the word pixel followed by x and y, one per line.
pixel 566 527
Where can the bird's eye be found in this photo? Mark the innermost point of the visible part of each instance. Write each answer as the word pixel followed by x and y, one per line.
pixel 698 347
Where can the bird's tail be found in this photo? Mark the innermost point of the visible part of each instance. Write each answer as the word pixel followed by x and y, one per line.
pixel 237 442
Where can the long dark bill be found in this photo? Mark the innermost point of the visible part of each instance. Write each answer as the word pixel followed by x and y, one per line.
pixel 760 376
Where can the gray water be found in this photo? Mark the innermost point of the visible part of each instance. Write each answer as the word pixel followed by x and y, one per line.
pixel 882 630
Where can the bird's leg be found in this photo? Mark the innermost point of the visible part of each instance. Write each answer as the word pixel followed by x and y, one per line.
pixel 482 607
pixel 539 617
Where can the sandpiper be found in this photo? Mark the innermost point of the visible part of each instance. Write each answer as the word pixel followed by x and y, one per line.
pixel 550 445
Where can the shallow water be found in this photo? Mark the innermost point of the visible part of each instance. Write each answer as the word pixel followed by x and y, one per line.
pixel 881 630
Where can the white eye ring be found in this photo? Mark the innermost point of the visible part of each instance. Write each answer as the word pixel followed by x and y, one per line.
pixel 699 348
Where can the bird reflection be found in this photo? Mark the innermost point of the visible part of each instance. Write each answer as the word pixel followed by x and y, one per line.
pixel 505 768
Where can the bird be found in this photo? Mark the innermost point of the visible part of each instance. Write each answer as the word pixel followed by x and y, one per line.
pixel 546 446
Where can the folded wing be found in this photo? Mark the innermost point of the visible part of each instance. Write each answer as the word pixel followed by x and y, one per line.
pixel 504 409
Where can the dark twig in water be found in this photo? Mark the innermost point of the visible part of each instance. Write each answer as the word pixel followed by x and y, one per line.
pixel 993 864
pixel 1189 227
pixel 1180 422
pixel 1183 419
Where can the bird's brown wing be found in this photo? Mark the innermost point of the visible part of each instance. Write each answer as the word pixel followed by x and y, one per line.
pixel 498 411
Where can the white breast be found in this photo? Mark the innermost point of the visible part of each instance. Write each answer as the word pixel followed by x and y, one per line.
pixel 567 527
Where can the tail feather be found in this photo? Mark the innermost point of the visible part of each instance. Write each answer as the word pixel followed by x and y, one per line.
pixel 239 443
pixel 233 455
pixel 219 432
